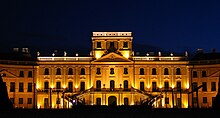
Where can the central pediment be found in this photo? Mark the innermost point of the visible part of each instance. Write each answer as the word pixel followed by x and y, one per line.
pixel 112 57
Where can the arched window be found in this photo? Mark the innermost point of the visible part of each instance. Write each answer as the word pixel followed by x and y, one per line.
pixel 154 71
pixel 46 71
pixel 112 71
pixel 178 71
pixel 70 71
pixel 58 71
pixel 82 71
pixel 141 71
pixel 166 72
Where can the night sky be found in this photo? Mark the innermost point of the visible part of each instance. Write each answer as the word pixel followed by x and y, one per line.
pixel 171 25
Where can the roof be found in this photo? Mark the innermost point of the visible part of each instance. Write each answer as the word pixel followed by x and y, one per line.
pixel 206 56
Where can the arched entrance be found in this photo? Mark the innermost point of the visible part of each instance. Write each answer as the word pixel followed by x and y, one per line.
pixel 112 101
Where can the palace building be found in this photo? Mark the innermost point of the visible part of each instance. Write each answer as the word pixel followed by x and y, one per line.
pixel 111 75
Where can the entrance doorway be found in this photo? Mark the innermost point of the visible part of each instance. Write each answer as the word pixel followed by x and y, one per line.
pixel 112 101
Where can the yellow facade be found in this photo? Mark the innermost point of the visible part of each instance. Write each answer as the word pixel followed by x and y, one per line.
pixel 112 73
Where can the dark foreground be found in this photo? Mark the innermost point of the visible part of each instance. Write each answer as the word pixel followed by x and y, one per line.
pixel 109 112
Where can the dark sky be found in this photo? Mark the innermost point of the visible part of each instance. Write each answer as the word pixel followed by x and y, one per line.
pixel 174 25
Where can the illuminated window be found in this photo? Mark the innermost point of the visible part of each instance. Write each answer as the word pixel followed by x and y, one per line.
pixel 125 44
pixel 99 45
pixel 203 73
pixel 213 86
pixel 21 74
pixel 98 71
pixel 58 85
pixel 21 87
pixel 29 100
pixel 29 73
pixel 141 71
pixel 29 87
pixel 204 99
pixel 204 86
pixel 195 74
pixel 154 71
pixel 20 100
pixel 12 86
pixel 70 71
pixel 58 71
pixel 82 71
pixel 166 85
pixel 70 86
pixel 98 101
pixel 125 70
pixel 166 71
pixel 112 71
pixel 46 71
pixel 166 100
pixel 178 71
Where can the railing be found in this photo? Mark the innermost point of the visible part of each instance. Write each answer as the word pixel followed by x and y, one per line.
pixel 150 58
pixel 64 58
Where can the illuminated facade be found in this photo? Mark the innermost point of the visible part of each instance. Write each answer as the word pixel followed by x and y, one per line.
pixel 112 74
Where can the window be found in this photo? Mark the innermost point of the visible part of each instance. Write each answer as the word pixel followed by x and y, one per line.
pixel 58 71
pixel 46 85
pixel 98 72
pixel 154 71
pixel 125 45
pixel 99 45
pixel 82 71
pixel 178 84
pixel 125 70
pixel 12 100
pixel 112 44
pixel 194 100
pixel 195 85
pixel 46 71
pixel 58 85
pixel 166 100
pixel 112 85
pixel 29 100
pixel 21 87
pixel 20 100
pixel 178 102
pixel 154 86
pixel 125 101
pixel 203 73
pixel 213 99
pixel 195 74
pixel 166 85
pixel 213 86
pixel 112 71
pixel 178 71
pixel 98 84
pixel 204 86
pixel 46 103
pixel 70 86
pixel 166 72
pixel 12 86
pixel 82 86
pixel 29 73
pixel 142 86
pixel 125 84
pixel 70 71
pixel 98 101
pixel 141 71
pixel 21 74
pixel 204 99
pixel 29 87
